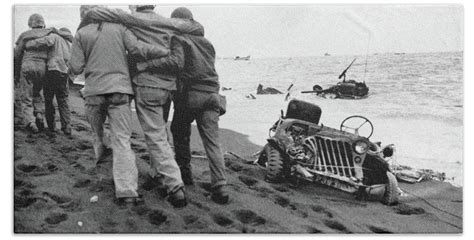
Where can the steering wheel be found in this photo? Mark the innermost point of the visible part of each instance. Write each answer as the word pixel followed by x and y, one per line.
pixel 357 125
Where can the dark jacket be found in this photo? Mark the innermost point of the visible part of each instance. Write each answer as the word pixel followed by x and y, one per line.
pixel 150 28
pixel 192 58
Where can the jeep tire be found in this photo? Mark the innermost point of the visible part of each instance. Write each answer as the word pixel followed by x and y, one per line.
pixel 390 196
pixel 275 165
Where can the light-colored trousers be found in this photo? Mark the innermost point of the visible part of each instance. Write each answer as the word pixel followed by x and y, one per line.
pixel 115 107
pixel 149 105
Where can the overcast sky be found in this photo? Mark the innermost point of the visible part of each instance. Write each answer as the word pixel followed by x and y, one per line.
pixel 302 30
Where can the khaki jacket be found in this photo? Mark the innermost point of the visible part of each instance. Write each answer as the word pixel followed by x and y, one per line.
pixel 100 51
pixel 151 28
pixel 59 50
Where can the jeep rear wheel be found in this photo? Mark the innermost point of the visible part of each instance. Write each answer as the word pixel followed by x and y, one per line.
pixel 390 196
pixel 275 165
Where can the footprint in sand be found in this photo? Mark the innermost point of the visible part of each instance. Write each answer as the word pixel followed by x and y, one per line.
pixel 27 168
pixel 78 166
pixel 199 205
pixel 22 184
pixel 282 201
pixel 35 170
pixel 157 217
pixel 140 210
pixel 249 181
pixel 23 199
pixel 248 217
pixel 65 202
pixel 405 209
pixel 222 220
pixel 51 167
pixel 106 184
pixel 82 183
pixel 58 199
pixel 55 218
pixel 323 210
pixel 310 229
pixel 336 226
pixel 280 188
pixel 235 167
pixel 375 229
pixel 264 192
pixel 190 219
pixel 247 229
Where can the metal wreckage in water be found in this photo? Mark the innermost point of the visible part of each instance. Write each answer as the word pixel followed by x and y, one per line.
pixel 346 89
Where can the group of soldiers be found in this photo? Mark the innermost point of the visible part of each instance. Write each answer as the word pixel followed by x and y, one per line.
pixel 142 56
pixel 40 64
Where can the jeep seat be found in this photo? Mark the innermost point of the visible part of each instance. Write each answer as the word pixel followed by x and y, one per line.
pixel 303 111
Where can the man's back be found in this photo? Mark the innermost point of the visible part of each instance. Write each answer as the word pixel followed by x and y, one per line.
pixel 59 50
pixel 199 67
pixel 60 54
pixel 101 53
pixel 34 53
pixel 161 38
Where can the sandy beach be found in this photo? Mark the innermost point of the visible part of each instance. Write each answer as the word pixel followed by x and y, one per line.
pixel 55 178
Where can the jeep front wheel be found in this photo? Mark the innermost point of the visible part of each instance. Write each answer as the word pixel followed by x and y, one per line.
pixel 390 196
pixel 275 165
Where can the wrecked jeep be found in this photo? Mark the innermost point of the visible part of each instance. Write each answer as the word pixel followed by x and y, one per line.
pixel 345 158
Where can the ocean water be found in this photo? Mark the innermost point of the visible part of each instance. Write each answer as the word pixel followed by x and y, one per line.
pixel 415 101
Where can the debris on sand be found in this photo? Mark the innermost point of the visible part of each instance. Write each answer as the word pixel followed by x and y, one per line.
pixel 94 199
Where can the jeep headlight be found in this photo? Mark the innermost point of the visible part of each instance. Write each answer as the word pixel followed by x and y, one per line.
pixel 360 147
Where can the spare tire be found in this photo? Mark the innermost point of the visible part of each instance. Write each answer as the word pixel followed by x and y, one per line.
pixel 276 168
pixel 317 88
pixel 390 196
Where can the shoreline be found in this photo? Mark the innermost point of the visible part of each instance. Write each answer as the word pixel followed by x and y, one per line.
pixel 56 177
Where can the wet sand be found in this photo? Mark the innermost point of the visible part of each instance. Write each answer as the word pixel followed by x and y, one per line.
pixel 54 179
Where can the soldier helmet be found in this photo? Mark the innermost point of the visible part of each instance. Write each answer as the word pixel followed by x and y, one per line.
pixel 36 21
pixel 182 13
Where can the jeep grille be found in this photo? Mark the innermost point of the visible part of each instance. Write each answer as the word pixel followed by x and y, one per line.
pixel 332 156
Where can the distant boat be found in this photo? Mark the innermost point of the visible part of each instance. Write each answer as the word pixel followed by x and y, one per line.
pixel 327 54
pixel 242 58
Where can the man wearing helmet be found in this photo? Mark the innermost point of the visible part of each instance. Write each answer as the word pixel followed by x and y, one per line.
pixel 29 72
pixel 56 82
pixel 153 90
pixel 100 51
pixel 192 58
